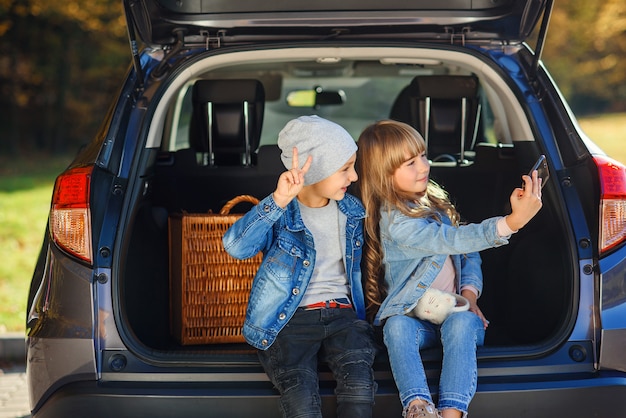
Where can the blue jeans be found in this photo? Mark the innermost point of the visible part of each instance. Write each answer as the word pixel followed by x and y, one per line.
pixel 343 341
pixel 459 335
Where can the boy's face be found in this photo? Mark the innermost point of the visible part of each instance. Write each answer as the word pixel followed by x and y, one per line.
pixel 336 185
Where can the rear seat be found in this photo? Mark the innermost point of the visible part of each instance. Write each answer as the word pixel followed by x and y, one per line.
pixel 185 186
pixel 529 269
pixel 223 160
pixel 481 189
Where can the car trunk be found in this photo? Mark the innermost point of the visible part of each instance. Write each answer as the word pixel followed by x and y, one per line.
pixel 529 285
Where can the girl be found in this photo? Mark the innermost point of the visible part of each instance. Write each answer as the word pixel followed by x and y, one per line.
pixel 414 241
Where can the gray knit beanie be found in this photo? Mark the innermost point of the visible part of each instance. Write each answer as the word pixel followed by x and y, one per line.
pixel 329 144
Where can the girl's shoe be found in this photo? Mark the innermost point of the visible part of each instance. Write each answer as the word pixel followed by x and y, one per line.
pixel 421 411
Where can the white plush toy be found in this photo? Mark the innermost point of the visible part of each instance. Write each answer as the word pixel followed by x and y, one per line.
pixel 436 305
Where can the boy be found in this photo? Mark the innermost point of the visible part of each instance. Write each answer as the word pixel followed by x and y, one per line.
pixel 307 296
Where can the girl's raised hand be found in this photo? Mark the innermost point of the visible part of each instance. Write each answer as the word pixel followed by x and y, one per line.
pixel 290 182
pixel 525 203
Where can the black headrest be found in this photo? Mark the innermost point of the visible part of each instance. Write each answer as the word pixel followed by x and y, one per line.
pixel 446 93
pixel 447 86
pixel 232 111
pixel 435 87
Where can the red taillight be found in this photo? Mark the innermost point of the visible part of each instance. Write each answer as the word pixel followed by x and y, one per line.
pixel 612 202
pixel 70 216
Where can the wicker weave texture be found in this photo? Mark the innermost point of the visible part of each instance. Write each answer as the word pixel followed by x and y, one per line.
pixel 209 289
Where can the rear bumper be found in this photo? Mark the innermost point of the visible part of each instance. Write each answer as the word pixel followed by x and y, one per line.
pixel 601 395
pixel 219 400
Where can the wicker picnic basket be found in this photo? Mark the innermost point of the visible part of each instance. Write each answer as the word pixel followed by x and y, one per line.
pixel 208 288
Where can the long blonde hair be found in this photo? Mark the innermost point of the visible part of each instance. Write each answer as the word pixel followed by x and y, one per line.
pixel 383 148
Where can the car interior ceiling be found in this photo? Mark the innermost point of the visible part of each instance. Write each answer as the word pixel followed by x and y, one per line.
pixel 531 270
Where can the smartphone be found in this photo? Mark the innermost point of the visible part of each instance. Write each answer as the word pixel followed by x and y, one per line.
pixel 542 170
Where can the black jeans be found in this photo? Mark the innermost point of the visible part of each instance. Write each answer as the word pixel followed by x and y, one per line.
pixel 344 342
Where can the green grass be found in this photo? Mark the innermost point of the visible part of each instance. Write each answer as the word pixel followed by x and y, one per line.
pixel 609 132
pixel 26 187
pixel 25 192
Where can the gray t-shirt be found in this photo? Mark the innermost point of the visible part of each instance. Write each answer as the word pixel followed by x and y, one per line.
pixel 329 281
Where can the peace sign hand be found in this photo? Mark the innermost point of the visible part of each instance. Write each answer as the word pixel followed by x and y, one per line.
pixel 291 182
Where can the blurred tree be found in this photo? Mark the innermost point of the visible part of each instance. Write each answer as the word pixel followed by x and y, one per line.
pixel 586 53
pixel 62 62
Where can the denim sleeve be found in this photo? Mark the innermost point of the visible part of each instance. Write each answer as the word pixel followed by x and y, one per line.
pixel 428 237
pixel 471 272
pixel 253 232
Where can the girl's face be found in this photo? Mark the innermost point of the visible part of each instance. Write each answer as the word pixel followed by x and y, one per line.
pixel 412 175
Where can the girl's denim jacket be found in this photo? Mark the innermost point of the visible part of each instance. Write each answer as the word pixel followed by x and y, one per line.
pixel 415 250
pixel 288 262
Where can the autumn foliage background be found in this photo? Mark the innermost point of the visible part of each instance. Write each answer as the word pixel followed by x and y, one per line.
pixel 61 64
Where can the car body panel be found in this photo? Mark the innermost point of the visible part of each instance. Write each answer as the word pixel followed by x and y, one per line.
pixel 158 20
pixel 61 340
pixel 613 311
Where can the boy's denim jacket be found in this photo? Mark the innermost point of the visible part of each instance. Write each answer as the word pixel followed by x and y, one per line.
pixel 288 262
pixel 415 250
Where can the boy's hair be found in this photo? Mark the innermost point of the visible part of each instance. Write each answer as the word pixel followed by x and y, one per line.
pixel 382 148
